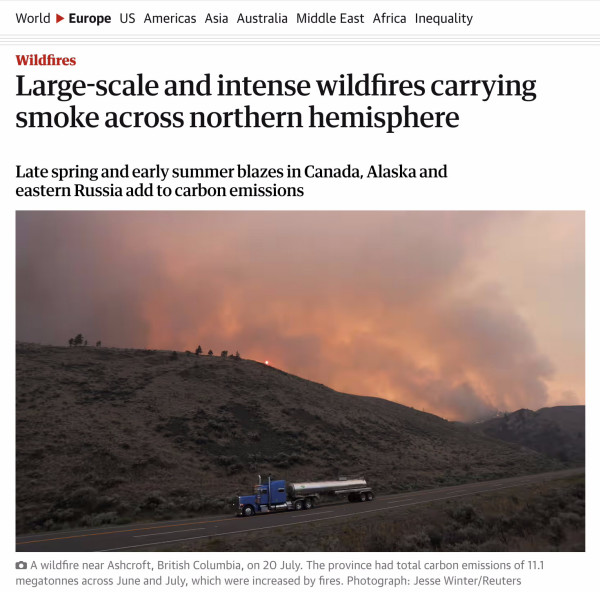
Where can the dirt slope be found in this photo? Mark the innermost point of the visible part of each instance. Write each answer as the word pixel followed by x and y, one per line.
pixel 107 435
pixel 558 432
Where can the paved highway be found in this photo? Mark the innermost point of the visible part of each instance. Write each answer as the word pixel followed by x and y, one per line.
pixel 158 535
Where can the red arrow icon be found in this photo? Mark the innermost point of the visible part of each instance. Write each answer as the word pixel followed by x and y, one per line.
pixel 59 18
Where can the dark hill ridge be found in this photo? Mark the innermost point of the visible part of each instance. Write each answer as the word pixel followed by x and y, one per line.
pixel 558 432
pixel 108 434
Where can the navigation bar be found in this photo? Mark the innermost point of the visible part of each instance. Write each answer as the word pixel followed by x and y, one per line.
pixel 350 18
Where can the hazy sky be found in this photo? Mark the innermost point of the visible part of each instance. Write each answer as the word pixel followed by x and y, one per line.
pixel 456 313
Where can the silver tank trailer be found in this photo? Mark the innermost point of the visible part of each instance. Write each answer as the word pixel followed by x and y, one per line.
pixel 313 487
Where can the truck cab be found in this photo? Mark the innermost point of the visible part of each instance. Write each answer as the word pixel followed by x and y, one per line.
pixel 268 497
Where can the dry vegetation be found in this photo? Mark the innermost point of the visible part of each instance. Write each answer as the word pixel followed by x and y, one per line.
pixel 112 435
pixel 554 431
pixel 543 517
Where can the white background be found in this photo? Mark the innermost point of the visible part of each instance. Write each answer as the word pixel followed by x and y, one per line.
pixel 506 154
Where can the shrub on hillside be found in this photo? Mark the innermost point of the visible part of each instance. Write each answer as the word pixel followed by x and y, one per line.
pixel 84 498
pixel 153 500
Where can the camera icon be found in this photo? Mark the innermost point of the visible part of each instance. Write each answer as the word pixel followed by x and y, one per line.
pixel 20 565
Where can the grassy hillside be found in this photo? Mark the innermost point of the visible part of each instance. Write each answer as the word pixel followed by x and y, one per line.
pixel 107 435
pixel 558 432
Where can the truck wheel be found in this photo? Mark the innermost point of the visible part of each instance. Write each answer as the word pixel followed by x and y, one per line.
pixel 370 496
pixel 363 497
pixel 298 505
pixel 248 511
pixel 308 504
pixel 351 498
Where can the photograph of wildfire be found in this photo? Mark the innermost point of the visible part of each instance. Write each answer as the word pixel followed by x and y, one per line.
pixel 430 364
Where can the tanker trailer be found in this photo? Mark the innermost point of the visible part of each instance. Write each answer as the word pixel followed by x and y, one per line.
pixel 277 495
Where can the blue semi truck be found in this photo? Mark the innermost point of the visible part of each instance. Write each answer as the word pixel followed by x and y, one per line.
pixel 277 495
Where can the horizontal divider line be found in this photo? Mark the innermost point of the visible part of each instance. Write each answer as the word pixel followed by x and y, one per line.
pixel 299 35
pixel 316 43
